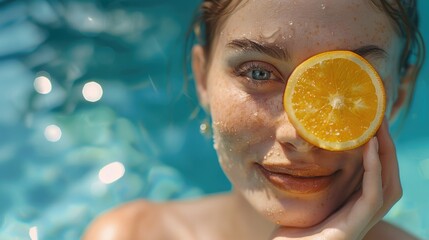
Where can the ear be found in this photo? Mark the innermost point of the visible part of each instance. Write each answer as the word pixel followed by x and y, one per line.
pixel 199 69
pixel 404 92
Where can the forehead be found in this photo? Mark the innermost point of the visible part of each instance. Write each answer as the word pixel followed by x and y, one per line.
pixel 310 25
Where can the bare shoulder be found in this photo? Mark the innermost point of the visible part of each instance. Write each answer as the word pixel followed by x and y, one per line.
pixel 137 220
pixel 385 230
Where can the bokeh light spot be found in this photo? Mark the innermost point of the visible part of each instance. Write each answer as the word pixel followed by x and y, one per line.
pixel 42 85
pixel 92 91
pixel 53 133
pixel 33 233
pixel 111 172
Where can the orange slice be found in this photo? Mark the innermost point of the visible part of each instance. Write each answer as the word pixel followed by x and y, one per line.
pixel 335 100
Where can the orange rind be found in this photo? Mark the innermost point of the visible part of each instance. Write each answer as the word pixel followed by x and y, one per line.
pixel 335 100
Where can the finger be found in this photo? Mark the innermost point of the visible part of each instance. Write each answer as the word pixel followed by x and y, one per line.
pixel 372 190
pixel 371 201
pixel 390 169
pixel 388 158
pixel 386 145
pixel 371 164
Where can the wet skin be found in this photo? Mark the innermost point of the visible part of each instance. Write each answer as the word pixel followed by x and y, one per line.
pixel 283 177
pixel 276 175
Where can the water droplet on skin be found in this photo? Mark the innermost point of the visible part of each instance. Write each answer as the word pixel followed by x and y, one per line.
pixel 323 6
pixel 290 35
pixel 270 33
pixel 290 23
pixel 255 114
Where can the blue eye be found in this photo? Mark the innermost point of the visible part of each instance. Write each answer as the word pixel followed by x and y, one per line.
pixel 259 74
pixel 257 71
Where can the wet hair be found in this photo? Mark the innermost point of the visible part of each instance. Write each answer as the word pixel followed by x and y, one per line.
pixel 212 13
pixel 404 14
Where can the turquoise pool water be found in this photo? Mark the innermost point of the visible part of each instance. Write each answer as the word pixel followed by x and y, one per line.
pixel 93 114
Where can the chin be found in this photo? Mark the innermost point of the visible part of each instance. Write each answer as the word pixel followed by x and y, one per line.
pixel 301 213
pixel 303 220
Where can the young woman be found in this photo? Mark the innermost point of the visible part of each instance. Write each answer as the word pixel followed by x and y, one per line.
pixel 247 51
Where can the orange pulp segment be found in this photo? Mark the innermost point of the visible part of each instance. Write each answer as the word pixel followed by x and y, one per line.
pixel 335 100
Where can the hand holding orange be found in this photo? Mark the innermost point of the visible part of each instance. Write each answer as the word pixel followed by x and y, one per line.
pixel 335 100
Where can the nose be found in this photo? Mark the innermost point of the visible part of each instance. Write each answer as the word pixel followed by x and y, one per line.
pixel 288 137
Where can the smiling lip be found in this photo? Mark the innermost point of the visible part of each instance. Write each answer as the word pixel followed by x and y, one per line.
pixel 295 181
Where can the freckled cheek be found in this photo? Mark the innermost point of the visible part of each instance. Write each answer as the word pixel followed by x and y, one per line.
pixel 390 76
pixel 232 115
pixel 391 88
pixel 239 118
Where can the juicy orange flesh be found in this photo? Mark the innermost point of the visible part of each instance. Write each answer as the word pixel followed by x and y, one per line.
pixel 331 96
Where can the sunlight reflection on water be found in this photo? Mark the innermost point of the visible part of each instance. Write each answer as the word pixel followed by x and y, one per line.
pixel 94 115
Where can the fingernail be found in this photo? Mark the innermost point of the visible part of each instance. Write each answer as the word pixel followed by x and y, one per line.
pixel 375 143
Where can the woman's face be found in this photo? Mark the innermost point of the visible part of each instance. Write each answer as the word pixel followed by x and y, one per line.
pixel 257 47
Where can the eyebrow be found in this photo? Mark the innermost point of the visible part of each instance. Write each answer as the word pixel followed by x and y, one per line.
pixel 275 51
pixel 270 49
